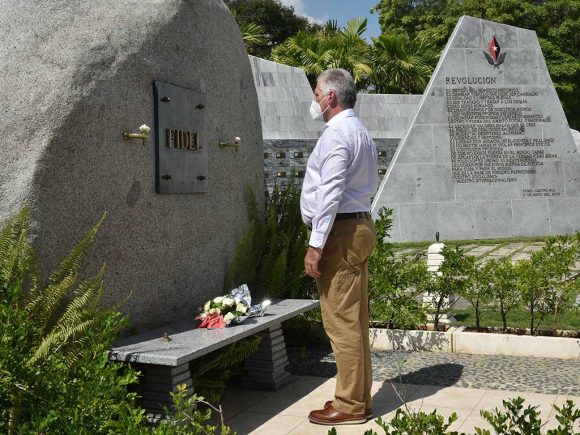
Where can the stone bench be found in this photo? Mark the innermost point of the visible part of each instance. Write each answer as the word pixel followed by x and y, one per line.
pixel 163 355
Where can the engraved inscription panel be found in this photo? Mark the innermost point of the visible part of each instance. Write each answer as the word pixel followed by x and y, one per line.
pixel 181 154
pixel 494 136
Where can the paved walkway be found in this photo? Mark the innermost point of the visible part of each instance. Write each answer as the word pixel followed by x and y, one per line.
pixel 285 411
pixel 494 372
pixel 424 381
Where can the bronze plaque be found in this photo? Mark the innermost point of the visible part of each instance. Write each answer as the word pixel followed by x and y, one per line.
pixel 181 143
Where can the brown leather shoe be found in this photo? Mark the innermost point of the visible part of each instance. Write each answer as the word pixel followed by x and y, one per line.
pixel 332 417
pixel 368 412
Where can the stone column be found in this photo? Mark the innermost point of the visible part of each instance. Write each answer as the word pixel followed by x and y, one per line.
pixel 156 383
pixel 434 260
pixel 267 366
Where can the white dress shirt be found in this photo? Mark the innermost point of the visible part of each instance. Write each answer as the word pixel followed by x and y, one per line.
pixel 341 175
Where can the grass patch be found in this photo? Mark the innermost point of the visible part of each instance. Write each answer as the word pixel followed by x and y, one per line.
pixel 477 242
pixel 518 318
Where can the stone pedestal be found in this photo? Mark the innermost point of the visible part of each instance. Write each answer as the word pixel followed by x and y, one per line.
pixel 267 366
pixel 435 259
pixel 155 385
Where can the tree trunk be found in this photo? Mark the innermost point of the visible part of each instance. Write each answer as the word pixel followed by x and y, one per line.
pixel 503 315
pixel 532 315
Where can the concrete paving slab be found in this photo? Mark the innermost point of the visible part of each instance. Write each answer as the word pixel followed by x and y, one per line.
pixel 286 411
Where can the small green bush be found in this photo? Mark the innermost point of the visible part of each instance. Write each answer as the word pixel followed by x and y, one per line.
pixel 516 420
pixel 55 374
pixel 513 419
pixel 395 284
pixel 270 255
pixel 54 342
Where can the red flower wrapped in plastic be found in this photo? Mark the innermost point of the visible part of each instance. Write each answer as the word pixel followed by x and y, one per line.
pixel 211 321
pixel 220 311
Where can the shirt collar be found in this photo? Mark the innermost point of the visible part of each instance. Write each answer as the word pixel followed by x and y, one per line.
pixel 346 113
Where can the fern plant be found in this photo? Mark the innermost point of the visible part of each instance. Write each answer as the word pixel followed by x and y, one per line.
pixel 270 255
pixel 48 332
pixel 211 372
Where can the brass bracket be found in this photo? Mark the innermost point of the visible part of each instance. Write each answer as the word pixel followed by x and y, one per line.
pixel 144 134
pixel 235 145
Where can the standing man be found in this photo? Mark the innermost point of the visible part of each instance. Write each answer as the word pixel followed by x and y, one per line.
pixel 341 177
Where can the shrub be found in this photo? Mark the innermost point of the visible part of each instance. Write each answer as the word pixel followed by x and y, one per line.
pixel 395 284
pixel 514 419
pixel 417 423
pixel 55 373
pixel 478 286
pixel 452 278
pixel 270 255
pixel 504 294
pixel 545 281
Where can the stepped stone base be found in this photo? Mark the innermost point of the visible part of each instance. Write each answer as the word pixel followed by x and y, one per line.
pixel 267 366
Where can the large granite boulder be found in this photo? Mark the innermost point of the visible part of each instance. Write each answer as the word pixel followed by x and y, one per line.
pixel 75 76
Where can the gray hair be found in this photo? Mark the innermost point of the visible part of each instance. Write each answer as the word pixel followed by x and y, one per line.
pixel 341 82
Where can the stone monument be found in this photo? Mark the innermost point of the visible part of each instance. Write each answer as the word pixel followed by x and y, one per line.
pixel 76 76
pixel 489 153
pixel 290 134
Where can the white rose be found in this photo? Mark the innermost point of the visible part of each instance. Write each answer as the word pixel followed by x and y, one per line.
pixel 228 302
pixel 228 317
pixel 241 308
pixel 207 306
pixel 218 300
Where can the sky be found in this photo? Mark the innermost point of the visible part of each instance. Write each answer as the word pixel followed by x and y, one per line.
pixel 320 11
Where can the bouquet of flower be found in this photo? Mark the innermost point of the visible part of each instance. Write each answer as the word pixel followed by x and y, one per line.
pixel 219 312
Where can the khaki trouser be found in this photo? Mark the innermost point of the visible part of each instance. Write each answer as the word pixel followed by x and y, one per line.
pixel 343 290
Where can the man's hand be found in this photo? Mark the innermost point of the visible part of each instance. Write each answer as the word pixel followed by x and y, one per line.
pixel 311 260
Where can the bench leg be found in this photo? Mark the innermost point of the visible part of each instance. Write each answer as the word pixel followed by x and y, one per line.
pixel 156 383
pixel 267 366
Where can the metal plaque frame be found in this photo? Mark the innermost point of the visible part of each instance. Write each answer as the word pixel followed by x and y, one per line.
pixel 181 164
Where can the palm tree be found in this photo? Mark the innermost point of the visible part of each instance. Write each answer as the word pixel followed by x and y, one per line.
pixel 330 47
pixel 253 35
pixel 401 65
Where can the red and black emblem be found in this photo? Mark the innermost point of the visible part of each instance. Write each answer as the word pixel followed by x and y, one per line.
pixel 495 57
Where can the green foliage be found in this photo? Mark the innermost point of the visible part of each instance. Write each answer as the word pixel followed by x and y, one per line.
pixel 478 289
pixel 253 36
pixel 393 63
pixel 329 47
pixel 417 423
pixel 515 419
pixel 400 64
pixel 270 255
pixel 556 22
pixel 545 281
pixel 55 375
pixel 518 318
pixel 395 283
pixel 452 278
pixel 185 417
pixel 211 372
pixel 566 415
pixel 504 294
pixel 512 420
pixel 276 23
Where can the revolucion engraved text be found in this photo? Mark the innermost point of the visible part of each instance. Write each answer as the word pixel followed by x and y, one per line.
pixel 470 80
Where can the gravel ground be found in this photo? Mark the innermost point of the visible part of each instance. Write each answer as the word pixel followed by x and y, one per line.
pixel 496 372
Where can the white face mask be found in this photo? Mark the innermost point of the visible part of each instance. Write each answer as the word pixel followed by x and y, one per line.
pixel 315 110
